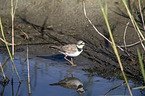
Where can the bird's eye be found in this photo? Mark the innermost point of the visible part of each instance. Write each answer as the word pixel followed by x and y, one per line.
pixel 82 44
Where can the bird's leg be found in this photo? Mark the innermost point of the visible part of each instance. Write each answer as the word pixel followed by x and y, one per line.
pixel 72 61
pixel 69 61
pixel 68 74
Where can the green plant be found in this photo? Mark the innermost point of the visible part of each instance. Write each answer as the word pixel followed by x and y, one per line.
pixel 8 50
pixel 113 43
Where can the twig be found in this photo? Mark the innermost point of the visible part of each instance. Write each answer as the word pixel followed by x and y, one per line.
pixel 28 71
pixel 143 26
pixel 124 38
pixel 25 34
pixel 140 40
pixel 13 50
pixel 6 62
pixel 125 35
pixel 7 42
pixel 114 45
pixel 131 44
pixel 13 11
pixel 134 23
pixel 2 71
pixel 18 89
pixel 114 88
pixel 106 37
pixel 9 50
pixel 16 6
pixel 97 29
pixel 141 64
pixel 141 14
pixel 12 14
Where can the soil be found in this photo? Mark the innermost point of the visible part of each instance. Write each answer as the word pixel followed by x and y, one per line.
pixel 41 24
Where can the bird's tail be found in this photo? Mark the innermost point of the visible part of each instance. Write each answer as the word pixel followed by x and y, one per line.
pixel 55 84
pixel 55 47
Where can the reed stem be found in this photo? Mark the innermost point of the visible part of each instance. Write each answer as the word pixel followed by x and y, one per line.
pixel 28 70
pixel 134 24
pixel 140 9
pixel 114 45
pixel 9 51
pixel 141 64
pixel 12 15
pixel 2 71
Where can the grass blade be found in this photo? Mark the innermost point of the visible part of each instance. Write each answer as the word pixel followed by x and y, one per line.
pixel 113 45
pixel 28 71
pixel 141 64
pixel 2 71
pixel 9 50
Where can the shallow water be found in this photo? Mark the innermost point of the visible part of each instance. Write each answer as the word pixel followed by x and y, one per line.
pixel 44 72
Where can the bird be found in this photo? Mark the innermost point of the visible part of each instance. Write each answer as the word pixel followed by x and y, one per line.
pixel 71 50
pixel 71 83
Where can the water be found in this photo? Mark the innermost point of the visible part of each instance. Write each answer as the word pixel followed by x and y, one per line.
pixel 44 72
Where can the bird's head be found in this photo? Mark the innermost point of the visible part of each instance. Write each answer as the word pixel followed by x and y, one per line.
pixel 80 89
pixel 80 44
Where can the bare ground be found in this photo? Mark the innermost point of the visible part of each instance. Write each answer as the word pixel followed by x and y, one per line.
pixel 98 57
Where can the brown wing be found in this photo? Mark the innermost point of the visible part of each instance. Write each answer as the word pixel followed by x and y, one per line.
pixel 56 47
pixel 71 48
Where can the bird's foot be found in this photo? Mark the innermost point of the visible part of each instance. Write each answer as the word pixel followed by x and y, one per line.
pixel 74 65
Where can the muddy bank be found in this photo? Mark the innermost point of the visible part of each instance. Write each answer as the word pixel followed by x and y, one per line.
pixel 56 22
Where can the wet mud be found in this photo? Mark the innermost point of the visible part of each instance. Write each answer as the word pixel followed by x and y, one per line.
pixel 41 24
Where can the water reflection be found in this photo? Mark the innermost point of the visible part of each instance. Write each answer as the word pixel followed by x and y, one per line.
pixel 12 88
pixel 115 88
pixel 71 83
pixel 2 91
pixel 57 57
pixel 43 73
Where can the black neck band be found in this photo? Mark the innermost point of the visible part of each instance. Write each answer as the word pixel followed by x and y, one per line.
pixel 79 49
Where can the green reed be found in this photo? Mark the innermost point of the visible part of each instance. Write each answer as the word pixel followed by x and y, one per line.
pixel 141 64
pixel 13 11
pixel 9 50
pixel 140 34
pixel 3 74
pixel 28 71
pixel 113 44
pixel 142 69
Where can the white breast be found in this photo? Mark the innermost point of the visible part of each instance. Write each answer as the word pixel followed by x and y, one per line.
pixel 72 54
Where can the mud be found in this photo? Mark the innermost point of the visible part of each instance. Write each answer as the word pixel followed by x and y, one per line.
pixel 41 24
